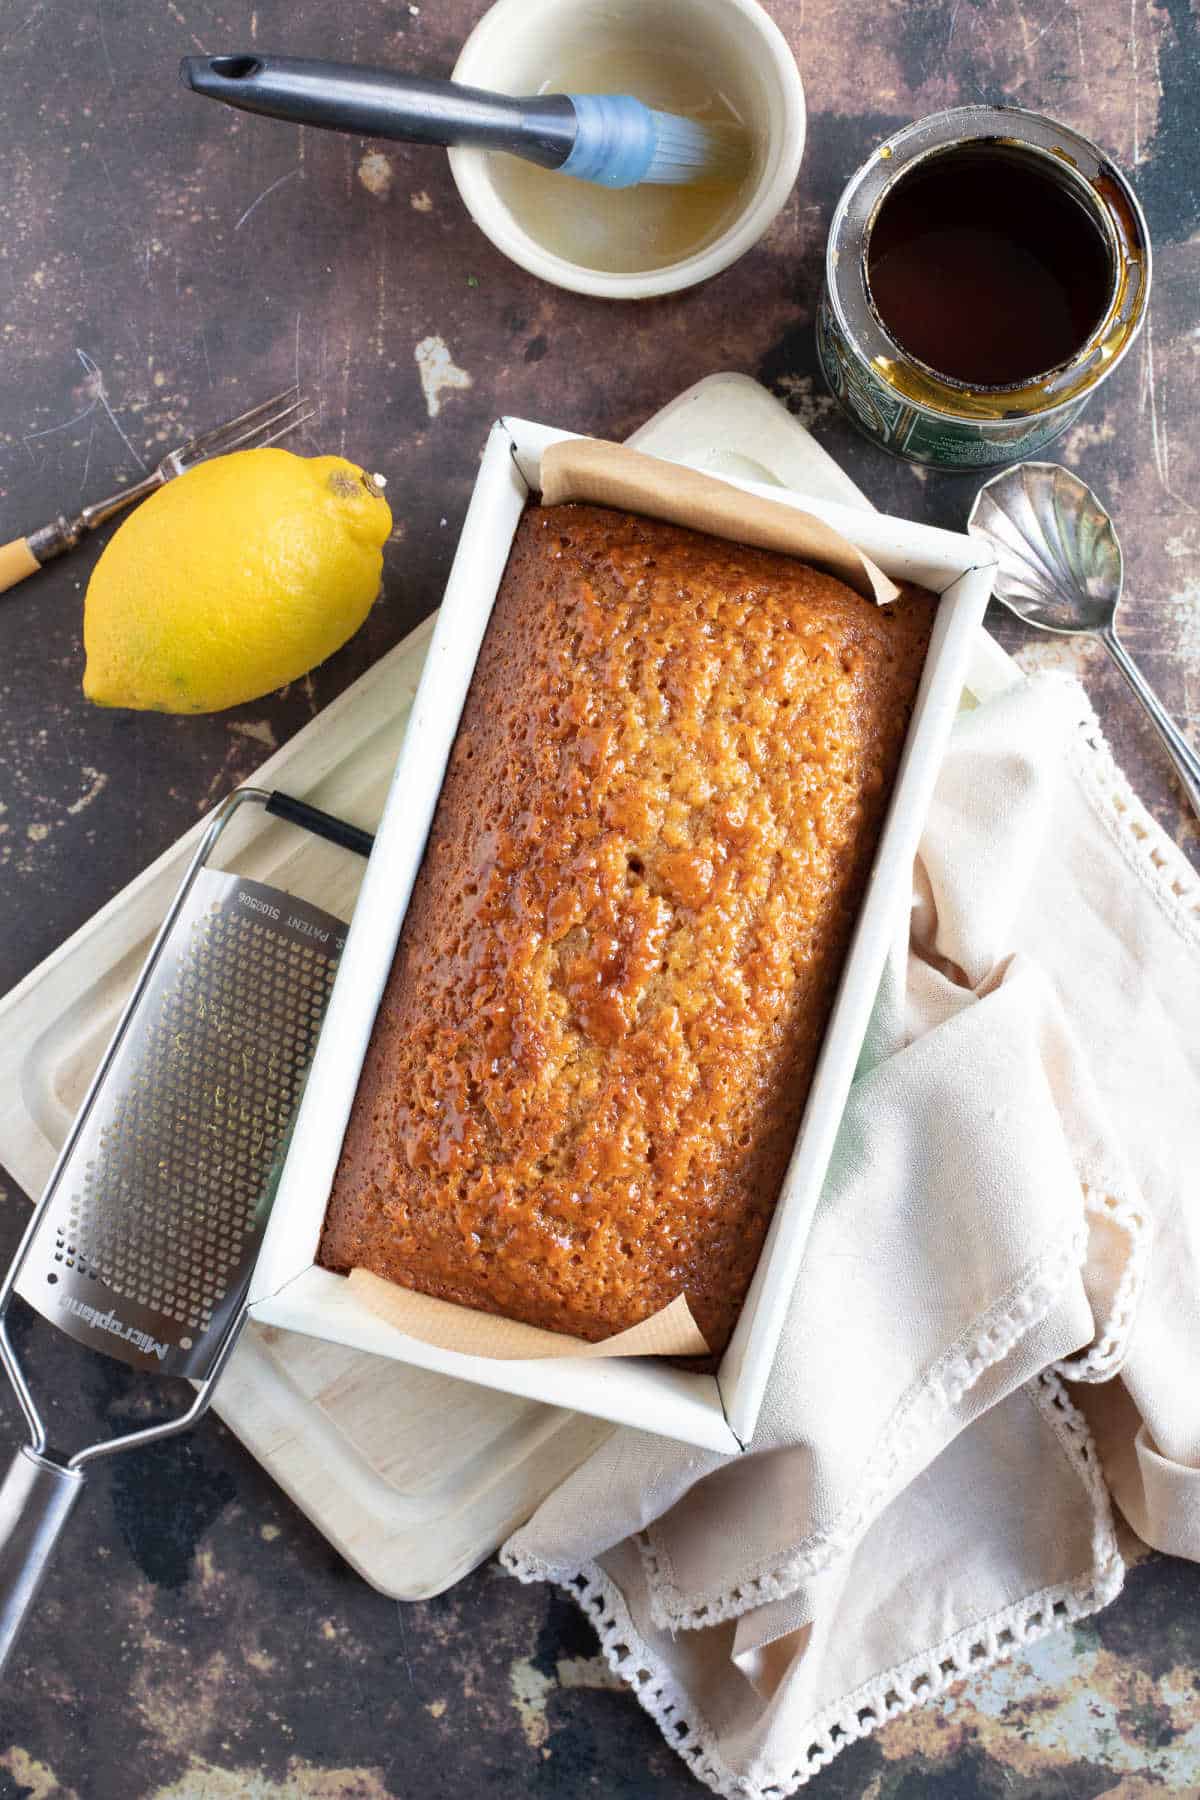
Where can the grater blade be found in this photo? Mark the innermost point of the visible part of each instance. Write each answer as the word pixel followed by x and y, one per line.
pixel 146 1240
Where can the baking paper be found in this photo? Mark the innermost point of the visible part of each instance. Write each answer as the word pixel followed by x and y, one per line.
pixel 611 475
pixel 670 1332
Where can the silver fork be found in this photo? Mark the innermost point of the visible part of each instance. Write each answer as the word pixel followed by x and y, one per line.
pixel 253 429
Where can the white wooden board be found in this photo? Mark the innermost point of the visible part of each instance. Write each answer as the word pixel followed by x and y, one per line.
pixel 413 1477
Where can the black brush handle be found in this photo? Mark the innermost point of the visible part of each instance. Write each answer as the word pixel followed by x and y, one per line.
pixel 379 103
pixel 322 824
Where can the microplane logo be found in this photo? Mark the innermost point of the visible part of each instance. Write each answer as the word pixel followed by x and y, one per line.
pixel 109 1321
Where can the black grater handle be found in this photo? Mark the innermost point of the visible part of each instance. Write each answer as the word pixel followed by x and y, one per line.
pixel 321 824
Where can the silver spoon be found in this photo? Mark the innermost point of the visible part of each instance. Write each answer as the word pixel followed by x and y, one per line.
pixel 1061 570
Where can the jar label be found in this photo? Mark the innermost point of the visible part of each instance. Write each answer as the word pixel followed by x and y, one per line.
pixel 912 432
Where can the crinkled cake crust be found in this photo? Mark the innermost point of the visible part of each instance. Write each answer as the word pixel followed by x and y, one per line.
pixel 589 1067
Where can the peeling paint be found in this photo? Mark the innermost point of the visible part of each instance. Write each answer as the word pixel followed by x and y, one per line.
pixel 1087 436
pixel 178 1701
pixel 1183 607
pixel 206 1569
pixel 587 1672
pixel 530 1690
pixel 806 398
pixel 259 730
pixel 97 784
pixel 1043 651
pixel 36 1780
pixel 438 371
pixel 1067 1700
pixel 375 174
pixel 205 1781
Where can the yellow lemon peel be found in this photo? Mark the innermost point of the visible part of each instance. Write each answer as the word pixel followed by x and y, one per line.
pixel 232 580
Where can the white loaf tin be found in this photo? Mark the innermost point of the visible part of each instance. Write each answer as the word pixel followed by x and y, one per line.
pixel 716 1412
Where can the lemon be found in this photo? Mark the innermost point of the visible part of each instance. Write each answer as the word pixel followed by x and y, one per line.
pixel 231 580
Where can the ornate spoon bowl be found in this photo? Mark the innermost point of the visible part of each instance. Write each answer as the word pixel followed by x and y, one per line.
pixel 1061 570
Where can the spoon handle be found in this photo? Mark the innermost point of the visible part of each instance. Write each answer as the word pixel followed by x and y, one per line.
pixel 1187 763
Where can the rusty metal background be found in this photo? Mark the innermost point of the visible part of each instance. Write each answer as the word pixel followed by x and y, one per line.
pixel 163 262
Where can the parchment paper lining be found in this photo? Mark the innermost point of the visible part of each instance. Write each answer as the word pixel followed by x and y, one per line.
pixel 611 475
pixel 670 1332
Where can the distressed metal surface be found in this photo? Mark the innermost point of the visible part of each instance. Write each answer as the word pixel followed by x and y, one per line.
pixel 163 261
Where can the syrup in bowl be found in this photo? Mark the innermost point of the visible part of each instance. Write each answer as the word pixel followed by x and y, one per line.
pixel 627 230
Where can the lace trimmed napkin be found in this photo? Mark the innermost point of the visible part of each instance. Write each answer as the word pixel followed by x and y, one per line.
pixel 997 1325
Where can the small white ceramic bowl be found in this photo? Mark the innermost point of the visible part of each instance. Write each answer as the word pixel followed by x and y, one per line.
pixel 517 41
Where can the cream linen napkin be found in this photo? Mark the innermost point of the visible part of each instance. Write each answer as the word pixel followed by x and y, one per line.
pixel 1005 1236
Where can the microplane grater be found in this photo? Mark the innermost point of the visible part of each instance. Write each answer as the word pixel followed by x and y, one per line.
pixel 154 1219
pixel 145 1240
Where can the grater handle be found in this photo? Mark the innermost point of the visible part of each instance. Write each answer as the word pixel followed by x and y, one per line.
pixel 322 824
pixel 36 1501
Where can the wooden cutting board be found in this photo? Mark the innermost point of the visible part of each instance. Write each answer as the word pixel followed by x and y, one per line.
pixel 376 1453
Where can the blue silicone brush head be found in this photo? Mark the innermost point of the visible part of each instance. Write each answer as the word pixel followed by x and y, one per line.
pixel 621 143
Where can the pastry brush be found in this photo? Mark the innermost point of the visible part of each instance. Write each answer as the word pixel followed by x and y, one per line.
pixel 611 139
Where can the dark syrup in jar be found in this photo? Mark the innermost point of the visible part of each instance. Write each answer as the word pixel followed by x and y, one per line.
pixel 987 267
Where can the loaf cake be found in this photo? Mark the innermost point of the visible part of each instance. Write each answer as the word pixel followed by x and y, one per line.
pixel 620 955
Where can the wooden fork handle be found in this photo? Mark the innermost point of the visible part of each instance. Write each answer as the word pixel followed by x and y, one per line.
pixel 25 556
pixel 16 562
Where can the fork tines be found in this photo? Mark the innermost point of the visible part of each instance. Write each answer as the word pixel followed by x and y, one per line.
pixel 255 428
